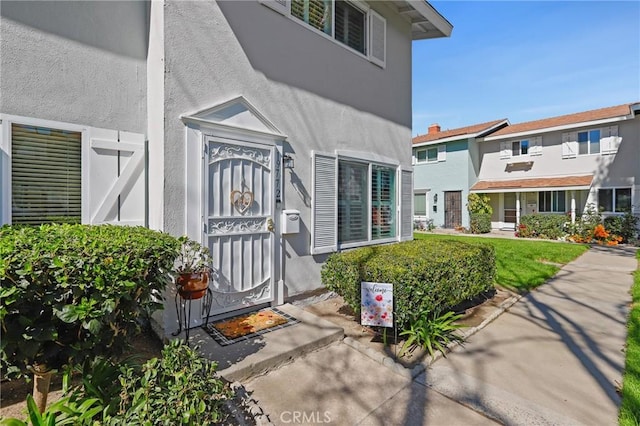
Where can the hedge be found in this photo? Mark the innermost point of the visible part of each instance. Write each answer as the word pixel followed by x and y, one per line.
pixel 480 223
pixel 427 275
pixel 69 292
pixel 547 226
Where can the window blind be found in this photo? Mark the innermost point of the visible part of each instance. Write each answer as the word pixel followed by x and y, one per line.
pixel 350 26
pixel 45 175
pixel 352 202
pixel 383 202
pixel 316 13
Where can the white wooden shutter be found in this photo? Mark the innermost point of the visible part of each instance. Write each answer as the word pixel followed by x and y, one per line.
pixel 505 150
pixel 377 38
pixel 535 147
pixel 610 140
pixel 406 205
pixel 569 144
pixel 442 152
pixel 324 203
pixel 280 6
pixel 115 181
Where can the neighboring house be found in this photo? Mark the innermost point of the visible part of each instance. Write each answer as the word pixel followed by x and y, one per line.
pixel 445 167
pixel 557 165
pixel 562 164
pixel 274 132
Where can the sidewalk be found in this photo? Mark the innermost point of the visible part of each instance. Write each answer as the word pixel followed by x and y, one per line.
pixel 554 358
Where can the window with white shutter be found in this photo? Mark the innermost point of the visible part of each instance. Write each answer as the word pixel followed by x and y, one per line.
pixel 610 140
pixel 350 23
pixel 442 153
pixel 46 175
pixel 62 172
pixel 356 202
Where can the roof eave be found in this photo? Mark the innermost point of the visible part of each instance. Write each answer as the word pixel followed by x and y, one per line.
pixel 426 21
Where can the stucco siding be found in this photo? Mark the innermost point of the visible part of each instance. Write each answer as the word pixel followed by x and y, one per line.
pixel 607 169
pixel 449 175
pixel 318 93
pixel 85 62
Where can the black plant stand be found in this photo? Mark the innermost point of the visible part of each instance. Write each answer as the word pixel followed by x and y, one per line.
pixel 183 309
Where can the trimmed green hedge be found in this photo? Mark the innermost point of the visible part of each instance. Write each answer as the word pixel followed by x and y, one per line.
pixel 547 226
pixel 427 275
pixel 69 292
pixel 480 223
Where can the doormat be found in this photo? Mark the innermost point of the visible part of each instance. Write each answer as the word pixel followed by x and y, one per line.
pixel 246 326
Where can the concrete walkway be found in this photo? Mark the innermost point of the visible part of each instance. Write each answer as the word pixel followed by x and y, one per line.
pixel 556 357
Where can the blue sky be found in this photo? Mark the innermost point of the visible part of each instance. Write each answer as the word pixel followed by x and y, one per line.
pixel 525 61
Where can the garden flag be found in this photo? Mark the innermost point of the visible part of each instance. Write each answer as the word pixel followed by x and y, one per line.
pixel 376 304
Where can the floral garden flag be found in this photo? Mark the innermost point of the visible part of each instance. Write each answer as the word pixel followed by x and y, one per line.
pixel 377 304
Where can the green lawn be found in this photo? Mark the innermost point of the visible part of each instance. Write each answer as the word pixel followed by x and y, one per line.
pixel 523 264
pixel 630 408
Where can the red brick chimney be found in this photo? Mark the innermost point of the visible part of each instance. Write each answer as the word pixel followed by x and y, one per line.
pixel 434 128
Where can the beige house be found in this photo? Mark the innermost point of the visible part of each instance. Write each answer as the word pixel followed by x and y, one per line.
pixel 562 164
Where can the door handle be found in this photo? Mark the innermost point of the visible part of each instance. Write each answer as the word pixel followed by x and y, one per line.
pixel 270 226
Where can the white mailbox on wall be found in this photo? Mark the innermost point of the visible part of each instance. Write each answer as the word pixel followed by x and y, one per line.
pixel 290 221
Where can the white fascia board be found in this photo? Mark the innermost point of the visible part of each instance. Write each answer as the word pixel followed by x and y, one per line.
pixel 233 129
pixel 539 189
pixel 433 16
pixel 444 140
pixel 557 128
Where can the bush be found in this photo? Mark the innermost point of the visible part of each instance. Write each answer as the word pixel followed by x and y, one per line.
pixel 179 388
pixel 480 223
pixel 479 203
pixel 625 226
pixel 427 275
pixel 547 226
pixel 71 292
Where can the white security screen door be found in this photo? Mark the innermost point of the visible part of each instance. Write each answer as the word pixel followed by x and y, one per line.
pixel 239 209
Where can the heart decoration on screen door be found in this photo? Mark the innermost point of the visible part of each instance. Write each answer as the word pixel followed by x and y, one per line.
pixel 241 200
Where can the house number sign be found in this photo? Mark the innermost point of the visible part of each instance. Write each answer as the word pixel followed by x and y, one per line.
pixel 241 200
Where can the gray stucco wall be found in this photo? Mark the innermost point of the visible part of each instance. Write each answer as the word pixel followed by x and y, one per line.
pixel 86 62
pixel 321 95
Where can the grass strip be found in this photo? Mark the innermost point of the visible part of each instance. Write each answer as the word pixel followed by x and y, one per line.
pixel 630 407
pixel 522 264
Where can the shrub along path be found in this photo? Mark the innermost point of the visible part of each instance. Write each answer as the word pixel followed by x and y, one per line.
pixel 522 264
pixel 554 358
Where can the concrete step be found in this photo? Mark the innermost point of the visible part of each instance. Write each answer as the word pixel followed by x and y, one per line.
pixel 256 356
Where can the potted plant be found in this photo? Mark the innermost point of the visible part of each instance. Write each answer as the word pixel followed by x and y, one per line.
pixel 192 268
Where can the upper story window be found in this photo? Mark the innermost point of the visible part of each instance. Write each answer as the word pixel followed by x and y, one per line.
pixel 431 155
pixel 531 146
pixel 351 23
pixel 589 142
pixel 604 140
pixel 520 148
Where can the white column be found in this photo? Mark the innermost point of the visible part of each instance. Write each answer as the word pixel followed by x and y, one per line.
pixel 573 207
pixel 517 208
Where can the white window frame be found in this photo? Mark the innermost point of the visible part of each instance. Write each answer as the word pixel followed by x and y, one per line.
pixel 370 164
pixel 284 7
pixel 613 190
pixel 589 142
pixel 609 142
pixel 6 122
pixel 534 148
pixel 324 201
pixel 554 205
